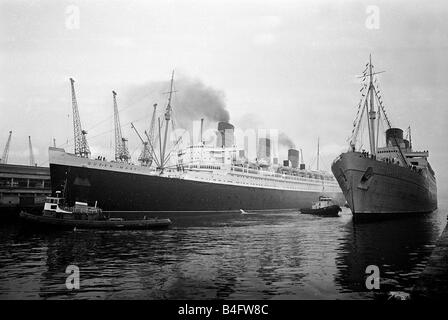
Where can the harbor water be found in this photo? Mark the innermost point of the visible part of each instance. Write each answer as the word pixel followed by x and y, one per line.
pixel 241 256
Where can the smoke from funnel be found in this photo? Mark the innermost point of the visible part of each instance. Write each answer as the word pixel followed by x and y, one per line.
pixel 286 141
pixel 192 100
pixel 197 99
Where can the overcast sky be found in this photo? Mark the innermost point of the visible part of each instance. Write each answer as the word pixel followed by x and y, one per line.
pixel 287 65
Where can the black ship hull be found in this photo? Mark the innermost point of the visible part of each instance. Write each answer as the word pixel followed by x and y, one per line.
pixel 145 194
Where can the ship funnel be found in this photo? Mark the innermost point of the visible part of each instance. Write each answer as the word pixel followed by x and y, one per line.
pixel 406 144
pixel 394 136
pixel 264 149
pixel 302 164
pixel 202 130
pixel 226 134
pixel 293 156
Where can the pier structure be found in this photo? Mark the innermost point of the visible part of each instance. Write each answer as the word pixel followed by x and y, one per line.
pixel 23 187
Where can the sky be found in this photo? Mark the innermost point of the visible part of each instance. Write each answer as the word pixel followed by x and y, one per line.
pixel 285 65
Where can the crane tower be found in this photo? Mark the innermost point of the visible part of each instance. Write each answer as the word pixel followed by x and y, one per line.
pixel 121 150
pixel 81 146
pixel 4 158
pixel 145 157
pixel 153 124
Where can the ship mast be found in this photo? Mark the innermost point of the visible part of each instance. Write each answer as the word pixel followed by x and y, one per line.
pixel 410 137
pixel 368 107
pixel 167 121
pixel 318 153
pixel 372 112
pixel 160 143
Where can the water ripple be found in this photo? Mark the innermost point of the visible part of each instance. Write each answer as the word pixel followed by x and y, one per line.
pixel 264 256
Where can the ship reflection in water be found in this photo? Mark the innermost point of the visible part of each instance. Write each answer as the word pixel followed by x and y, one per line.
pixel 256 256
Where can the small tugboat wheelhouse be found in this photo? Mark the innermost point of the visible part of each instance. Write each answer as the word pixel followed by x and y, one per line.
pixel 83 216
pixel 324 207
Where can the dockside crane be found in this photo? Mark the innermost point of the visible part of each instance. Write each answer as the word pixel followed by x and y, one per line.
pixel 121 150
pixel 145 157
pixel 153 125
pixel 81 146
pixel 4 158
pixel 32 163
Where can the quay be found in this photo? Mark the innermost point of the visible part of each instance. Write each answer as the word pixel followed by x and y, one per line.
pixel 23 188
pixel 433 281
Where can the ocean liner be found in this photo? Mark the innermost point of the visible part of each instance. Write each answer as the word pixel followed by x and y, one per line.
pixel 389 179
pixel 203 178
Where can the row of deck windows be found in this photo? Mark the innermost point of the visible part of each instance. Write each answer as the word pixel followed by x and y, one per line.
pixel 261 181
pixel 308 177
pixel 24 183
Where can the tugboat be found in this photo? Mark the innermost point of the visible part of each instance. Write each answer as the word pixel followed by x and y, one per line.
pixel 83 216
pixel 324 207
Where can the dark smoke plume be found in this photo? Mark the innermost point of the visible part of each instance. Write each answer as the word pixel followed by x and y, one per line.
pixel 285 141
pixel 197 99
pixel 192 100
